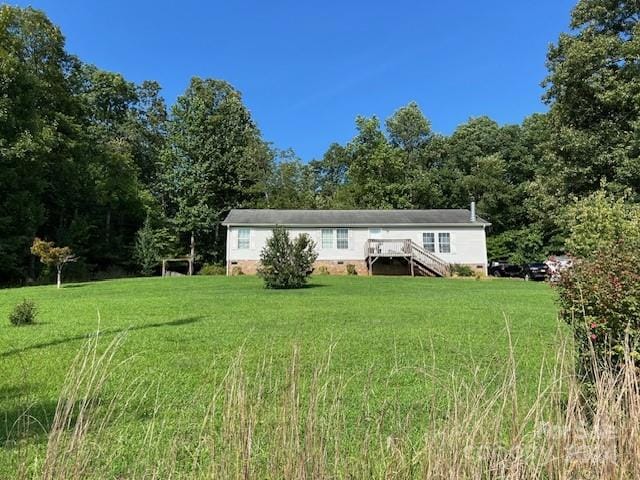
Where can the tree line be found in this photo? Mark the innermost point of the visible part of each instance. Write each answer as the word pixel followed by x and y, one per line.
pixel 98 163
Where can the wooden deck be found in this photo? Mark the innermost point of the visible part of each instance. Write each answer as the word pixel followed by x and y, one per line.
pixel 420 261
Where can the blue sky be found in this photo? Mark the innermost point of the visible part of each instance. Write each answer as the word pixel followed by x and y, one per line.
pixel 306 69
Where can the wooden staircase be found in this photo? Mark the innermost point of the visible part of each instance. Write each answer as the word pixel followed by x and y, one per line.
pixel 420 261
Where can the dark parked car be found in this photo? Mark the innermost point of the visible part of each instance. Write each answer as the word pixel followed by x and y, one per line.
pixel 535 271
pixel 502 268
pixel 529 271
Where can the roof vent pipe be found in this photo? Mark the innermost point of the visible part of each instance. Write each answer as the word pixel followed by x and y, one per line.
pixel 473 211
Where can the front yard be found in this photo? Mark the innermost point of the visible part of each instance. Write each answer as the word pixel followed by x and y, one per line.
pixel 392 347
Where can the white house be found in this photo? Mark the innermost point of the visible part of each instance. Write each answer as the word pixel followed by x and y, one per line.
pixel 418 242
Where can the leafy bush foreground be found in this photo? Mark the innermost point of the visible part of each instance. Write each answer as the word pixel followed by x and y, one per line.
pixel 600 294
pixel 600 300
pixel 286 263
pixel 24 313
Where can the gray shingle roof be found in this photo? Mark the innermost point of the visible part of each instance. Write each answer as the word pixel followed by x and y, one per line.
pixel 256 217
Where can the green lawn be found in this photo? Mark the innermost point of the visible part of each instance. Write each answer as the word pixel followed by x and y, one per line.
pixel 184 332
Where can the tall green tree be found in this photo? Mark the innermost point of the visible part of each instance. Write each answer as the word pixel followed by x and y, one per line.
pixel 330 178
pixel 214 160
pixel 408 128
pixel 593 89
pixel 476 165
pixel 377 170
pixel 109 101
pixel 36 128
pixel 78 150
pixel 409 132
pixel 291 184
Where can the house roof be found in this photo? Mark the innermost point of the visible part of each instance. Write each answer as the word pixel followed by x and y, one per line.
pixel 267 217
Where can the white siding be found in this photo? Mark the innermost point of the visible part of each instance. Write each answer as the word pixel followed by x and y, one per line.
pixel 468 243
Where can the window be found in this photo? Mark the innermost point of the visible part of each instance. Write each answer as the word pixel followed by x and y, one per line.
pixel 327 238
pixel 444 242
pixel 375 232
pixel 429 241
pixel 243 237
pixel 342 235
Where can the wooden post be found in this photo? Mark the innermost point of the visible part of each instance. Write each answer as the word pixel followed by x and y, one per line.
pixel 411 260
pixel 164 267
pixel 409 245
pixel 192 254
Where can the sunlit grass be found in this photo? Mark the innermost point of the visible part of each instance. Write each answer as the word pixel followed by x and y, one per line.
pixel 394 344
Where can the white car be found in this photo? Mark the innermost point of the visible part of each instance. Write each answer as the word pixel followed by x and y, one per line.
pixel 556 264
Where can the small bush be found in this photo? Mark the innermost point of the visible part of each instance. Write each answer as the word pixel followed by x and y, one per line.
pixel 461 270
pixel 351 269
pixel 600 300
pixel 237 271
pixel 24 313
pixel 286 263
pixel 212 269
pixel 323 270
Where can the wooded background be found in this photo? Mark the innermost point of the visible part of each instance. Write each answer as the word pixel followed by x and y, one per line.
pixel 98 163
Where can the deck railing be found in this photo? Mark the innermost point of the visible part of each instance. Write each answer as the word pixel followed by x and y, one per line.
pixel 406 248
pixel 429 260
pixel 387 248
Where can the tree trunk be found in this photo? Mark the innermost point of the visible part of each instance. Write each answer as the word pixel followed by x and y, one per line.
pixel 59 280
pixel 216 243
pixel 193 253
pixel 32 267
pixel 107 225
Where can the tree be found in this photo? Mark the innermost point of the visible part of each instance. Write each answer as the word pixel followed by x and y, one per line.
pixel 36 123
pixel 147 133
pixel 285 263
pixel 377 170
pixel 593 88
pixel 330 178
pixel 53 256
pixel 214 160
pixel 520 246
pixel 408 128
pixel 110 158
pixel 78 149
pixel 479 162
pixel 291 184
pixel 599 222
pixel 149 247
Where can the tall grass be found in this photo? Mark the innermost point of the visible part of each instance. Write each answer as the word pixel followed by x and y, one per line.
pixel 270 423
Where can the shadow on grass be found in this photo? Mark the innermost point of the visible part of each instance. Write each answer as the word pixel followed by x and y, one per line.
pixel 313 285
pixel 34 420
pixel 28 419
pixel 304 287
pixel 173 323
pixel 12 391
pixel 26 422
